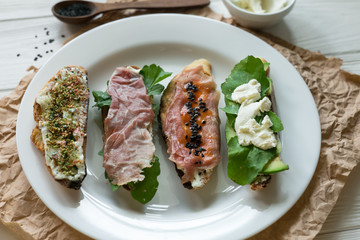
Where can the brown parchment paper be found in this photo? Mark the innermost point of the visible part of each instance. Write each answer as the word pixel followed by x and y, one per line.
pixel 337 97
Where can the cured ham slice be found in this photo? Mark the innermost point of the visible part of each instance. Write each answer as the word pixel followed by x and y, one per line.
pixel 190 123
pixel 128 146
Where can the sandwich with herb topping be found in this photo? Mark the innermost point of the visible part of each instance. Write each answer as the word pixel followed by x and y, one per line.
pixel 60 112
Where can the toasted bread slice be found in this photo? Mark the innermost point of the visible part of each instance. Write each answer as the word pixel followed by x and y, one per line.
pixel 195 160
pixel 61 120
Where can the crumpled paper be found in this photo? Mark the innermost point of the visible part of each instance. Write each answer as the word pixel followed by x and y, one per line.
pixel 337 97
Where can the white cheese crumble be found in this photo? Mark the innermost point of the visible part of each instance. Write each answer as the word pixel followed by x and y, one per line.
pixel 246 127
pixel 249 92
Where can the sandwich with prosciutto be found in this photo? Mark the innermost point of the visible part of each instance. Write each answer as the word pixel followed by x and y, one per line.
pixel 60 113
pixel 128 115
pixel 252 127
pixel 190 123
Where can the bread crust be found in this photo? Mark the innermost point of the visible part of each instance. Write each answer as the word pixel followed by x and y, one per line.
pixel 36 136
pixel 166 101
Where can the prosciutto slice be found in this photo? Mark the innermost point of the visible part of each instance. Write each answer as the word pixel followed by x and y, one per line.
pixel 128 146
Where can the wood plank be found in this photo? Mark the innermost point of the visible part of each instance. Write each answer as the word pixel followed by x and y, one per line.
pixel 29 34
pixel 20 9
pixel 346 213
pixel 352 234
pixel 316 33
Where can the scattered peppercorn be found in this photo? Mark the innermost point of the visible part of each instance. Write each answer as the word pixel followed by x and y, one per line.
pixel 18 55
pixel 51 40
pixel 47 33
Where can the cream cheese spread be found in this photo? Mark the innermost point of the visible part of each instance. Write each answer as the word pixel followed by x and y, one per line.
pixel 73 117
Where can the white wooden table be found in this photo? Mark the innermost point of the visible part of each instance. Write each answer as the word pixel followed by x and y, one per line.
pixel 29 35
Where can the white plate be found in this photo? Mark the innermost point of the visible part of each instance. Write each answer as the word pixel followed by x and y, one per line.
pixel 222 209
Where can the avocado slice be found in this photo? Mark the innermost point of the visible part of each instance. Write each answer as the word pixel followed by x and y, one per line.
pixel 275 165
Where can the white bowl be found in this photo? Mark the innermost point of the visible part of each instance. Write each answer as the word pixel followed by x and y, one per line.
pixel 257 20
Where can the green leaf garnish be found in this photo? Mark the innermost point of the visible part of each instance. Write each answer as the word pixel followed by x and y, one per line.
pixel 101 153
pixel 101 99
pixel 156 89
pixel 152 75
pixel 145 190
pixel 245 163
pixel 114 187
pixel 247 69
pixel 277 124
pixel 231 109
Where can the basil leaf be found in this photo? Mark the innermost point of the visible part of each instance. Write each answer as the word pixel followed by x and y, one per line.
pixel 101 99
pixel 101 153
pixel 114 187
pixel 229 131
pixel 156 108
pixel 156 89
pixel 231 109
pixel 247 69
pixel 245 163
pixel 277 124
pixel 144 191
pixel 152 75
